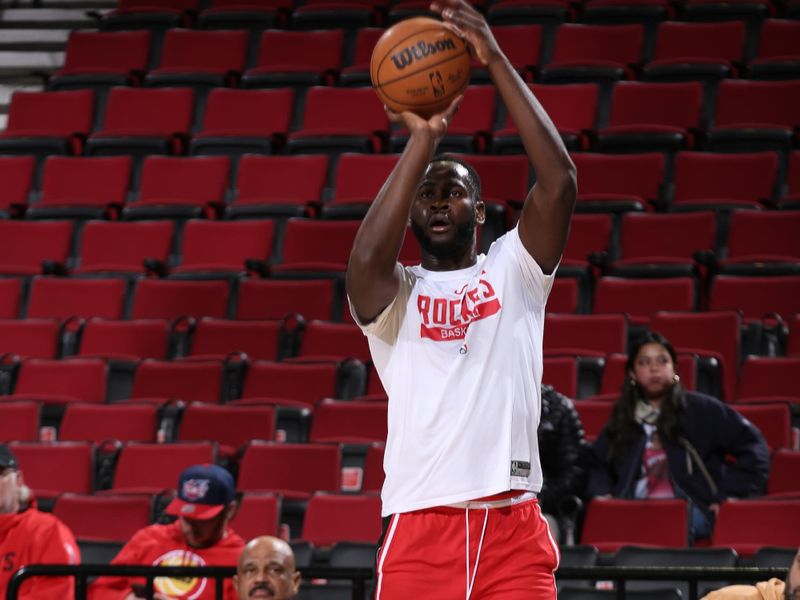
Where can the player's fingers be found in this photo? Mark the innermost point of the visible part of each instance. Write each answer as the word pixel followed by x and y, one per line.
pixel 455 29
pixel 451 111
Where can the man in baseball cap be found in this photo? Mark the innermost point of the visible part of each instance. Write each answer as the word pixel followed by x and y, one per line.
pixel 204 504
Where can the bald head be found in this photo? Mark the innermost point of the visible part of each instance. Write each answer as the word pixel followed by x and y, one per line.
pixel 267 570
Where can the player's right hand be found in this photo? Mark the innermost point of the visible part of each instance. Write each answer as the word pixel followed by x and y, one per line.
pixel 435 127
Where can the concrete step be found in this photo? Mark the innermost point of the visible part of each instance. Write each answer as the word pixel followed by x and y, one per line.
pixel 17 63
pixel 46 18
pixel 42 40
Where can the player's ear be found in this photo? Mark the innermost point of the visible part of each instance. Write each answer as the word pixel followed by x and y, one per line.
pixel 480 212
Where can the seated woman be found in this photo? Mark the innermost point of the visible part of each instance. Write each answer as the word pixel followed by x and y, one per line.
pixel 665 442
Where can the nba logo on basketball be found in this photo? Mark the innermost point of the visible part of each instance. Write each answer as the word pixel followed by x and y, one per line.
pixel 194 489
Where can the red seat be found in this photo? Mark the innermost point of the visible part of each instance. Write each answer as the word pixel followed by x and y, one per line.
pixel 594 416
pixel 24 245
pixel 357 71
pixel 588 234
pixel 763 238
pixel 562 373
pixel 125 340
pixel 225 246
pixel 572 108
pixel 297 58
pixel 295 470
pixel 691 51
pixel 181 187
pixel 275 298
pixel 359 178
pixel 141 14
pixel 747 525
pixel 332 518
pixel 310 245
pixel 83 187
pixel 99 59
pixel 773 420
pixel 348 14
pixel 61 381
pixel 59 298
pixel 783 473
pixel 566 334
pixel 19 421
pixel 594 52
pixel 793 343
pixel 230 426
pixel 30 338
pixel 120 247
pixel 652 116
pixel 322 340
pixel 756 297
pixel 373 469
pixel 778 55
pixel 704 178
pixel 612 523
pixel 93 423
pixel 627 181
pixel 154 468
pixel 303 384
pixel 10 298
pixel 190 381
pixel 763 377
pixel 640 299
pixel 276 186
pixel 230 14
pixel 522 46
pixel 792 197
pixel 74 472
pixel 218 338
pixel 258 514
pixel 104 518
pixel 755 115
pixel 471 127
pixel 670 240
pixel 168 299
pixel 48 122
pixel 341 120
pixel 349 421
pixel 564 296
pixel 16 172
pixel 193 57
pixel 144 121
pixel 715 333
pixel 237 121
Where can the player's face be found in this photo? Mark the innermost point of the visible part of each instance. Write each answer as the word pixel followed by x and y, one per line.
pixel 10 482
pixel 203 533
pixel 267 571
pixel 444 213
pixel 654 370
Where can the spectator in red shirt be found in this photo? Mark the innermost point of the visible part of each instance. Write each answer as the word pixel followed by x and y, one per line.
pixel 200 537
pixel 29 537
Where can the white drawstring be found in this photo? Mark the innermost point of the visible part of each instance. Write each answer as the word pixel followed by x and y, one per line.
pixel 471 582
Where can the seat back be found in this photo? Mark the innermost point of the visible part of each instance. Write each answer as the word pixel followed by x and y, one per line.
pixel 231 426
pixel 298 468
pixel 332 518
pixel 58 114
pixel 168 299
pixel 191 381
pixel 126 423
pixel 156 467
pixel 248 113
pixel 104 518
pixel 640 103
pixel 204 51
pixel 75 472
pixel 60 298
pixel 611 524
pixel 124 245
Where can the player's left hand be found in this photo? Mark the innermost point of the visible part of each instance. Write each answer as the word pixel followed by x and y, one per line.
pixel 468 24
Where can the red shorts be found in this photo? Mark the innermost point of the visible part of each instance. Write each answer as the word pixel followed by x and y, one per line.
pixel 512 555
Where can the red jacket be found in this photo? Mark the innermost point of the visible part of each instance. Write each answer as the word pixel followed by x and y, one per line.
pixel 164 545
pixel 33 537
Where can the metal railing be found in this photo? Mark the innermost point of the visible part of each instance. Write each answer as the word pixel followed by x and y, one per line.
pixel 361 576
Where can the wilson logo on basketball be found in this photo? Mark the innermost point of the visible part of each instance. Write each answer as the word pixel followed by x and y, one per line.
pixel 420 50
pixel 446 319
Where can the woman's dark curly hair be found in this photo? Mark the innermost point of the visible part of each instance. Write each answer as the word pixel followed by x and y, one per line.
pixel 622 425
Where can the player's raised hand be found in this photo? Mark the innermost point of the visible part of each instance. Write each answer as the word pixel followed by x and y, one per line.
pixel 467 23
pixel 436 126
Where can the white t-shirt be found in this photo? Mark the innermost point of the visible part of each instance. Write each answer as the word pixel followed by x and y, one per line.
pixel 460 356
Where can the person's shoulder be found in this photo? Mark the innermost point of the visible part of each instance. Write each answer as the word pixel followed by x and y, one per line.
pixel 34 519
pixel 699 400
pixel 231 540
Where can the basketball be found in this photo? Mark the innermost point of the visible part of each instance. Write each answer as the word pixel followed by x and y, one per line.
pixel 420 66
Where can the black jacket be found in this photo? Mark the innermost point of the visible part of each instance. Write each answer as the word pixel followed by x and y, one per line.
pixel 733 450
pixel 561 443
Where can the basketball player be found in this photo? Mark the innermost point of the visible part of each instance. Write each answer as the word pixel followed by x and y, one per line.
pixel 457 343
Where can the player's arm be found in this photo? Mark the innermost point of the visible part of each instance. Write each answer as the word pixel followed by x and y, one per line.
pixel 372 271
pixel 544 223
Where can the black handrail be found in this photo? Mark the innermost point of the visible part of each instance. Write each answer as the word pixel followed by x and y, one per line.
pixel 359 576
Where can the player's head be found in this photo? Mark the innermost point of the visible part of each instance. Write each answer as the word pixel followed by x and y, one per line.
pixel 11 485
pixel 267 569
pixel 792 590
pixel 447 208
pixel 206 501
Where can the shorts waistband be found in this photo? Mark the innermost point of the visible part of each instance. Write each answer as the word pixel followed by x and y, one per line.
pixel 483 504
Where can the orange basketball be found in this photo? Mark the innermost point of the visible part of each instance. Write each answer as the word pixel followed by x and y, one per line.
pixel 420 66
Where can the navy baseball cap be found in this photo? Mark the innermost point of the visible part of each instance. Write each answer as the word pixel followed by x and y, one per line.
pixel 7 458
pixel 203 492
